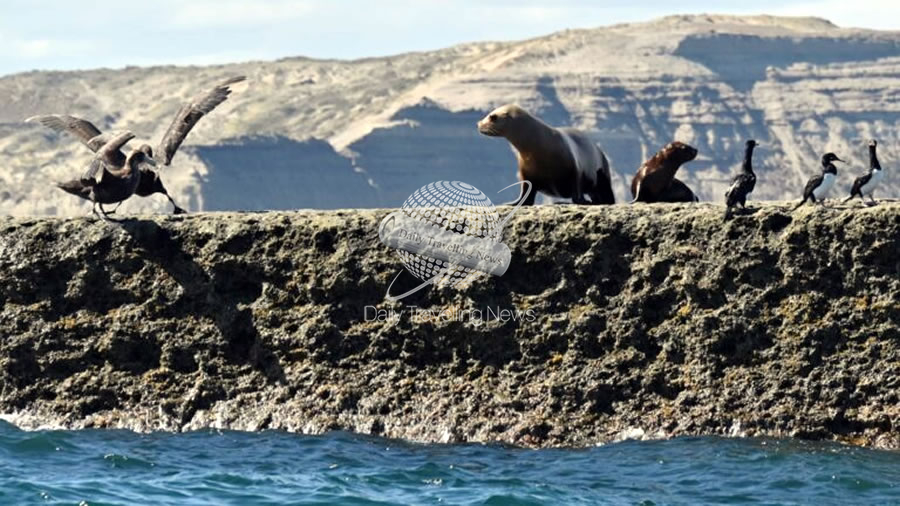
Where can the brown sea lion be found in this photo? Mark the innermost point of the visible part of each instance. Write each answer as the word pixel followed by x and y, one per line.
pixel 678 192
pixel 560 162
pixel 655 181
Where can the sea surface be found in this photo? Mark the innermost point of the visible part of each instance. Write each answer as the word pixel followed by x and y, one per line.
pixel 119 467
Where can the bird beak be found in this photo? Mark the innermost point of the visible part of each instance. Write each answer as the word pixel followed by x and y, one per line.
pixel 151 161
pixel 839 160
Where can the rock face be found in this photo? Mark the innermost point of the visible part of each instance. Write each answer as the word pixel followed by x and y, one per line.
pixel 380 128
pixel 624 321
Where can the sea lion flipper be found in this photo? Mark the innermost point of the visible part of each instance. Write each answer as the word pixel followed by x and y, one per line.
pixel 526 194
pixel 602 193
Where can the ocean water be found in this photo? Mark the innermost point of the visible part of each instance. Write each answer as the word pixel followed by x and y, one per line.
pixel 119 467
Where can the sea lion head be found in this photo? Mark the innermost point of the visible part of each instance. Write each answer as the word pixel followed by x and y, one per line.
pixel 679 152
pixel 497 122
pixel 873 143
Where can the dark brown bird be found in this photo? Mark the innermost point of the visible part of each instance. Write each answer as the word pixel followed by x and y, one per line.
pixel 111 176
pixel 742 184
pixel 188 116
pixel 818 185
pixel 866 184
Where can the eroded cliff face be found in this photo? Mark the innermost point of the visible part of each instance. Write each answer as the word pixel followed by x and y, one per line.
pixel 623 321
pixel 367 133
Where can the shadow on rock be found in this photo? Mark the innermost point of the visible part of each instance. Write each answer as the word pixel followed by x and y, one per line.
pixel 216 296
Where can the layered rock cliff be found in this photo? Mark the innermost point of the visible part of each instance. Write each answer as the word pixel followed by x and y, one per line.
pixel 611 322
pixel 330 134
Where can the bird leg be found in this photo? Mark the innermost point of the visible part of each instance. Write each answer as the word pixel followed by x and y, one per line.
pixel 115 208
pixel 104 215
pixel 176 209
pixel 98 215
pixel 872 201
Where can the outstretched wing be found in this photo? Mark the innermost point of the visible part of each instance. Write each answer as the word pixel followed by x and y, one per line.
pixel 107 156
pixel 84 130
pixel 188 116
pixel 94 173
pixel 812 184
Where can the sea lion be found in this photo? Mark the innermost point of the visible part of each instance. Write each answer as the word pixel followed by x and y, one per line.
pixel 560 162
pixel 655 180
pixel 678 192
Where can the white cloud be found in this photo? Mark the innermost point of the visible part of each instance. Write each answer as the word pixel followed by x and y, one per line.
pixel 38 48
pixel 212 13
pixel 215 58
pixel 25 49
pixel 876 14
pixel 218 31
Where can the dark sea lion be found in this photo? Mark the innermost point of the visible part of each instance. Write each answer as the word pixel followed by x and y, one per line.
pixel 655 180
pixel 560 162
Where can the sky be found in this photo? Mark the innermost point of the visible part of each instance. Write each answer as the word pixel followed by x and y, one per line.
pixel 66 35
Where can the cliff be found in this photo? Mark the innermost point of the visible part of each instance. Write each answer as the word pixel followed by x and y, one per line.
pixel 611 322
pixel 366 133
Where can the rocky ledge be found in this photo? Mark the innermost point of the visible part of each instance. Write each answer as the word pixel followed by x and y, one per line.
pixel 611 322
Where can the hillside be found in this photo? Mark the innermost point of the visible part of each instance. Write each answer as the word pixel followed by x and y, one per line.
pixel 366 133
